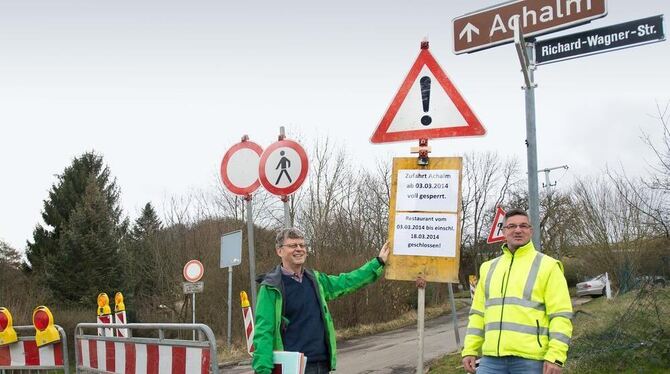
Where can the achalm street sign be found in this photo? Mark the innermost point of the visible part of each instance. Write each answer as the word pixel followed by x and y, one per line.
pixel 493 26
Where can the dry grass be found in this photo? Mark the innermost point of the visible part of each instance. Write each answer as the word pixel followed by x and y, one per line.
pixel 232 354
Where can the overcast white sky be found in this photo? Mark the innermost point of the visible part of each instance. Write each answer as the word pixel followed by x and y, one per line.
pixel 163 88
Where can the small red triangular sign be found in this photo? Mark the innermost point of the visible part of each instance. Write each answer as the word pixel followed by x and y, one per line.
pixel 428 105
pixel 496 234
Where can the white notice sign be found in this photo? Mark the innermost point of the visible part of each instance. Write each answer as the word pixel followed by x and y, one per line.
pixel 427 190
pixel 425 234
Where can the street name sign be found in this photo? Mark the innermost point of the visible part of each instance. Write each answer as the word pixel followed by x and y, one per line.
pixel 495 25
pixel 197 287
pixel 427 105
pixel 424 223
pixel 604 39
pixel 283 167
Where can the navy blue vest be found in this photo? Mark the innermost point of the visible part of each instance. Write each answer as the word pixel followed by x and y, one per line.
pixel 305 331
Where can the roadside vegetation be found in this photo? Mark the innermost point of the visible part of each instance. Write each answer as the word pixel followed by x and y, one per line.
pixel 628 334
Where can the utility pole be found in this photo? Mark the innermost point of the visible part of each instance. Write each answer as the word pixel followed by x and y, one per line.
pixel 547 183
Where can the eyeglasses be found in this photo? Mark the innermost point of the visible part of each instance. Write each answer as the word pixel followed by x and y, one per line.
pixel 523 226
pixel 295 245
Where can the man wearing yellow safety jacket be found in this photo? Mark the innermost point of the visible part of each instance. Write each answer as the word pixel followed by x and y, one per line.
pixel 520 320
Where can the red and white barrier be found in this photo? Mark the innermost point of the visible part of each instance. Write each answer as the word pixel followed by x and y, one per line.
pixel 249 328
pixel 106 319
pixel 131 358
pixel 120 318
pixel 25 354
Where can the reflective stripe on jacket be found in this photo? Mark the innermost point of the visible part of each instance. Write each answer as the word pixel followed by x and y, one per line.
pixel 269 307
pixel 521 308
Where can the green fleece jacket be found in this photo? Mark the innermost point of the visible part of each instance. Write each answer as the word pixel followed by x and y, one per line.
pixel 269 306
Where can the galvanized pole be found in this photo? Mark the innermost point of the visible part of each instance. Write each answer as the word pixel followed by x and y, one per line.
pixel 287 214
pixel 252 255
pixel 531 139
pixel 420 317
pixel 454 318
pixel 230 304
pixel 525 52
pixel 193 294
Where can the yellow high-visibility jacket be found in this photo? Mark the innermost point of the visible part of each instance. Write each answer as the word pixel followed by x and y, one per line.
pixel 521 308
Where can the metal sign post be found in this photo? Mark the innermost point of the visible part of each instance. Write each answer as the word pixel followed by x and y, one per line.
pixel 252 253
pixel 239 173
pixel 527 61
pixel 420 318
pixel 454 318
pixel 230 306
pixel 193 272
pixel 193 297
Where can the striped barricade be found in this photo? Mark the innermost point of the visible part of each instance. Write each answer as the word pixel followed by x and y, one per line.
pixel 111 354
pixel 248 316
pixel 26 355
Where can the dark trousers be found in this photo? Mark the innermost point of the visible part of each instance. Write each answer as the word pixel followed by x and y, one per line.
pixel 321 367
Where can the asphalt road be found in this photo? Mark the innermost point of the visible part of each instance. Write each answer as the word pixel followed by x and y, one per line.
pixel 394 351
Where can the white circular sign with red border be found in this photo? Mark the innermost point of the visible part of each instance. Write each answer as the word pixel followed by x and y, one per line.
pixel 239 168
pixel 193 271
pixel 283 167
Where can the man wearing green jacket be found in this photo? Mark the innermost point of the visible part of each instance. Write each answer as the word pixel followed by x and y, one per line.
pixel 520 319
pixel 292 311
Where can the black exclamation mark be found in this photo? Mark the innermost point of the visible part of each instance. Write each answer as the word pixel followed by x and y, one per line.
pixel 425 98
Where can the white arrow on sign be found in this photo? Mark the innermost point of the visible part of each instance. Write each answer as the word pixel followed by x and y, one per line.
pixel 468 29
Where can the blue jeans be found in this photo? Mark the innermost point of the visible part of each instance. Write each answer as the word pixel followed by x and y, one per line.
pixel 320 367
pixel 509 365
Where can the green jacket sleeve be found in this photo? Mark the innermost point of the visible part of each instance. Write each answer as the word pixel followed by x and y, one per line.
pixel 474 336
pixel 335 286
pixel 264 330
pixel 559 310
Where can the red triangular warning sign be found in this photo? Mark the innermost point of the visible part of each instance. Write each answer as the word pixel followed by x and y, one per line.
pixel 496 234
pixel 428 105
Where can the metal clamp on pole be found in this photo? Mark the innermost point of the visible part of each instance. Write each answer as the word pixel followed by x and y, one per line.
pixel 423 149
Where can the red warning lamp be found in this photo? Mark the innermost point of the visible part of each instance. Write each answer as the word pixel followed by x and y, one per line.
pixel 41 320
pixel 7 332
pixel 45 331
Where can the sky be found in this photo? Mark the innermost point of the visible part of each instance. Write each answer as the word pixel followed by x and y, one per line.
pixel 163 88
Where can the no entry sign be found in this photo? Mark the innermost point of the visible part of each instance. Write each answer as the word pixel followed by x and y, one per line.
pixel 239 168
pixel 193 271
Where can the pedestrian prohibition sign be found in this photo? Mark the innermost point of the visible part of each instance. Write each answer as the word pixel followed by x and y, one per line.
pixel 283 167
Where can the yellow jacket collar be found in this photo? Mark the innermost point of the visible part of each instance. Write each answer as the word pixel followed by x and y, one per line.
pixel 525 249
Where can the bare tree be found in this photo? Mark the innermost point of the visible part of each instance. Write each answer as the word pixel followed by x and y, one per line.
pixel 487 179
